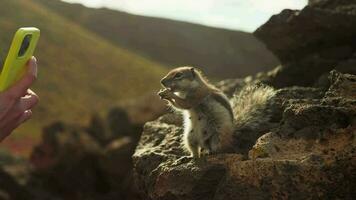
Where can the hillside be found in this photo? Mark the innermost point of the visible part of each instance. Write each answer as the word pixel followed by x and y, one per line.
pixel 221 53
pixel 304 146
pixel 79 72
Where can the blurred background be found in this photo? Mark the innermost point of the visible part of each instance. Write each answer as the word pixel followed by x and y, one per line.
pixel 100 62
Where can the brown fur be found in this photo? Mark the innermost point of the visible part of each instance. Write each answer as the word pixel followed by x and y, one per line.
pixel 187 89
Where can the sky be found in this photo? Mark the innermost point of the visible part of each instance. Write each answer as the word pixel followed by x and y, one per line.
pixel 246 15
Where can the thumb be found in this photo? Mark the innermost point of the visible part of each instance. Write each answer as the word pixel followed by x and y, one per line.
pixel 20 88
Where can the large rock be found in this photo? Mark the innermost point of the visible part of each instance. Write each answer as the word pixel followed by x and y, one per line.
pixel 309 154
pixel 72 163
pixel 11 189
pixel 312 41
pixel 82 162
pixel 306 150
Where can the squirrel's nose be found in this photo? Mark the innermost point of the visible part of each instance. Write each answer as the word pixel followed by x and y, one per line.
pixel 163 81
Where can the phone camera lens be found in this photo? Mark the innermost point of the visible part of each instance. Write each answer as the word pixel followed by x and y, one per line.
pixel 25 44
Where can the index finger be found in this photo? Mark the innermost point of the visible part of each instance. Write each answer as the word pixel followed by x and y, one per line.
pixel 20 88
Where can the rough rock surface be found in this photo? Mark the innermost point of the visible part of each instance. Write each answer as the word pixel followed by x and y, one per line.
pixel 84 163
pixel 81 162
pixel 310 154
pixel 308 148
pixel 311 42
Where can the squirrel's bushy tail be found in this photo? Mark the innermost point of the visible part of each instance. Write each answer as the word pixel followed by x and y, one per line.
pixel 250 106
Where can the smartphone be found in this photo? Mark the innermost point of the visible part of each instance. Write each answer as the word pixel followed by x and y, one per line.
pixel 21 50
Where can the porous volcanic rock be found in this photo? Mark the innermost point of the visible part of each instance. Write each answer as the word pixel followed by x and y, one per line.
pixel 310 153
pixel 311 42
pixel 307 150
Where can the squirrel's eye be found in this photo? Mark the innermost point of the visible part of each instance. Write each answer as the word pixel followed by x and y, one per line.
pixel 178 75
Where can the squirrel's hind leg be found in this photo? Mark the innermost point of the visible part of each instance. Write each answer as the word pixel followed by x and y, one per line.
pixel 211 145
pixel 214 144
pixel 194 151
pixel 193 147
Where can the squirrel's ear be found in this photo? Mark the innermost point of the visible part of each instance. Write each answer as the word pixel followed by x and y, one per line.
pixel 193 71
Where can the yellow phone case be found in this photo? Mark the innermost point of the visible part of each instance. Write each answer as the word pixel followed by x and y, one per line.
pixel 21 50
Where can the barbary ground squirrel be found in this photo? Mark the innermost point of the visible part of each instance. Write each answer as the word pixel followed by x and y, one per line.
pixel 209 118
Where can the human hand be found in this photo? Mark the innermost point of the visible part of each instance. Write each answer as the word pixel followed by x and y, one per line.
pixel 17 101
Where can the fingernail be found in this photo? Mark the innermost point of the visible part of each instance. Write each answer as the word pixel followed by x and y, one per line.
pixel 28 112
pixel 33 66
pixel 27 115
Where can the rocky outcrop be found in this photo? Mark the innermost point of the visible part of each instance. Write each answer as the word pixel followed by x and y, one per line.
pixel 74 161
pixel 11 189
pixel 308 148
pixel 91 162
pixel 77 162
pixel 310 154
pixel 311 42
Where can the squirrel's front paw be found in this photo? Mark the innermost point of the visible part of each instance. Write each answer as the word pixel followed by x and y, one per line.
pixel 164 93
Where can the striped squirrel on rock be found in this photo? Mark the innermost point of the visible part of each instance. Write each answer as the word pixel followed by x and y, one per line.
pixel 210 120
